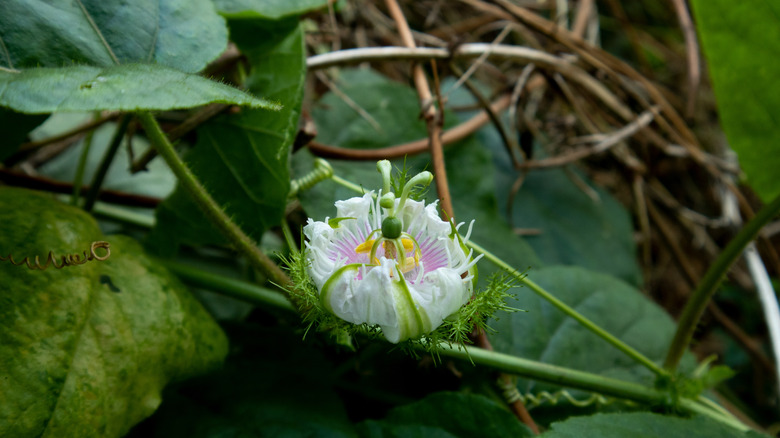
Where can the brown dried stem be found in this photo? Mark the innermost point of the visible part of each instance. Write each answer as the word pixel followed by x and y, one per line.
pixel 429 112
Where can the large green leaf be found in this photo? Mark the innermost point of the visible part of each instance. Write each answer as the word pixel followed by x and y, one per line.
pixel 545 334
pixel 574 228
pixel 86 350
pixel 643 425
pixel 183 34
pixel 243 158
pixel 447 415
pixel 274 386
pixel 268 9
pixel 128 87
pixel 741 41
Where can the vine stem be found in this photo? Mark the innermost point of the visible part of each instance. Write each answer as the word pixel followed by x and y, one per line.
pixel 696 304
pixel 560 305
pixel 213 211
pixel 581 380
pixel 240 290
pixel 531 369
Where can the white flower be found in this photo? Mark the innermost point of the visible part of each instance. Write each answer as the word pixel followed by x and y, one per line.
pixel 362 277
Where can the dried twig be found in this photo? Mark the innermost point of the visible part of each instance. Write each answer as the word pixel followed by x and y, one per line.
pixel 449 136
pixel 429 113
pixel 692 54
pixel 607 141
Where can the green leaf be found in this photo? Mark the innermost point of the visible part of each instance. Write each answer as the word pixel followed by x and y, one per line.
pixel 545 334
pixel 131 87
pixel 242 159
pixel 447 415
pixel 643 425
pixel 574 229
pixel 267 9
pixel 393 107
pixel 741 41
pixel 86 350
pixel 252 396
pixel 183 34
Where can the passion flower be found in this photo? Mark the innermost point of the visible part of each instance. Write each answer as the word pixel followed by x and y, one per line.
pixel 390 262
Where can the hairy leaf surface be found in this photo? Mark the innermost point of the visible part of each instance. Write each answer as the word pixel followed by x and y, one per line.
pixel 130 87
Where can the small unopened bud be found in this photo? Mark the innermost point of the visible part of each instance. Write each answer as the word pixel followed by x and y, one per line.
pixel 387 200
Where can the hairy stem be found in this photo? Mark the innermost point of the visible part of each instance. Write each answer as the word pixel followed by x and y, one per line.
pixel 230 287
pixel 531 369
pixel 581 380
pixel 213 211
pixel 712 279
pixel 585 322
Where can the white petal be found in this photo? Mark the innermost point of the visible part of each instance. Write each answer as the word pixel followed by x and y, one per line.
pixel 441 293
pixel 355 207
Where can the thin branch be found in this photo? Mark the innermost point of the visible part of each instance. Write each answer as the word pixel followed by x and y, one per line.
pixel 510 144
pixel 516 53
pixel 709 284
pixel 608 141
pixel 51 185
pixel 92 124
pixel 242 242
pixel 480 60
pixel 348 100
pixel 692 54
pixel 689 273
pixel 584 12
pixel 429 112
pixel 449 136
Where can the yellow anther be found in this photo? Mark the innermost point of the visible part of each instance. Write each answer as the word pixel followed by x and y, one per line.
pixel 365 246
pixel 408 244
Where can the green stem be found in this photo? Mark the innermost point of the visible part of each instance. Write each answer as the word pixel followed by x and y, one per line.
pixel 352 186
pixel 585 322
pixel 502 362
pixel 712 279
pixel 288 237
pixel 243 243
pixel 227 286
pixel 580 380
pixel 105 164
pixel 590 325
pixel 78 180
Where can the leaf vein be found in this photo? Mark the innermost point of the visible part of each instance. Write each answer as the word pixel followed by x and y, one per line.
pixel 98 32
pixel 6 53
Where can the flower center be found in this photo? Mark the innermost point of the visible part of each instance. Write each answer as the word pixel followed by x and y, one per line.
pixel 390 248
